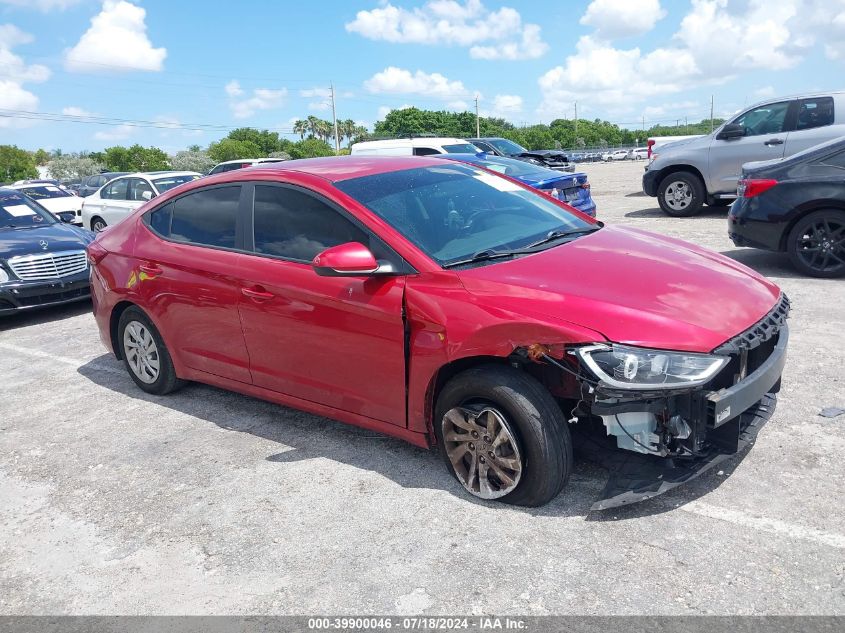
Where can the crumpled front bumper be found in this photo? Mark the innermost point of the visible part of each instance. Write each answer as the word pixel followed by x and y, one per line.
pixel 725 422
pixel 636 477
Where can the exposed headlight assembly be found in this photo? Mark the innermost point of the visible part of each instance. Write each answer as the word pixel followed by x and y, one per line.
pixel 626 367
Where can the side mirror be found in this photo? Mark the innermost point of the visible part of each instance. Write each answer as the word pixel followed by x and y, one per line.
pixel 731 130
pixel 347 260
pixel 147 195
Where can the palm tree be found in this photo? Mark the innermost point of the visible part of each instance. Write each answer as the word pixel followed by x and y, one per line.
pixel 300 127
pixel 313 126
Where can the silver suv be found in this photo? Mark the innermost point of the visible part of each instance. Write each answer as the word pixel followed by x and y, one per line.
pixel 687 174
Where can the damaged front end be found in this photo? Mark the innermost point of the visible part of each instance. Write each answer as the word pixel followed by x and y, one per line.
pixel 656 418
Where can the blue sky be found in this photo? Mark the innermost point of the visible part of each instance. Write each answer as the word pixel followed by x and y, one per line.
pixel 106 68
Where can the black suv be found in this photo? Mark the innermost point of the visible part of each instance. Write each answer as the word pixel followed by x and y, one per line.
pixel 91 184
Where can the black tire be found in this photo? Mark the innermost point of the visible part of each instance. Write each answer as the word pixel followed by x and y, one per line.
pixel 532 414
pixel 689 203
pixel 819 230
pixel 98 224
pixel 166 381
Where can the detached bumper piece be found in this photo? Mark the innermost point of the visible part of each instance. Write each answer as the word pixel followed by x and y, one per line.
pixel 635 477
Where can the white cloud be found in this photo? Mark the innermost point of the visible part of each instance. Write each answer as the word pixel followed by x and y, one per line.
pixel 505 106
pixel 393 80
pixel 116 133
pixel 76 112
pixel 42 5
pixel 715 42
pixel 621 18
pixel 322 96
pixel 260 99
pixel 458 106
pixel 532 46
pixel 117 39
pixel 383 111
pixel 14 73
pixel 497 34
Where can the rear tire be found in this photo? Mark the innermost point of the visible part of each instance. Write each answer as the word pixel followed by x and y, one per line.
pixel 98 224
pixel 816 244
pixel 681 194
pixel 145 355
pixel 536 452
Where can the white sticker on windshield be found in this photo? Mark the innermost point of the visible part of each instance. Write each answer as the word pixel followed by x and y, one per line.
pixel 19 210
pixel 497 183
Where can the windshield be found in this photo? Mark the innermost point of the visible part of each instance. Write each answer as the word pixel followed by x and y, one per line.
pixel 44 191
pixel 18 211
pixel 510 167
pixel 167 183
pixel 507 147
pixel 460 148
pixel 455 211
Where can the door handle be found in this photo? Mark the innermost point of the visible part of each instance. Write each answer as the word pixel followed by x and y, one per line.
pixel 773 141
pixel 151 270
pixel 257 294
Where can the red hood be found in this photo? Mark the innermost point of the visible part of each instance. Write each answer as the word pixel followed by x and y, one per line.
pixel 634 287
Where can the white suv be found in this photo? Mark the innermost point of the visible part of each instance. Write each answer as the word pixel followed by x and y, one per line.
pixel 414 146
pixel 241 163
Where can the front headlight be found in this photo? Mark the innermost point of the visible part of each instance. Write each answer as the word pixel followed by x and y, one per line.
pixel 628 367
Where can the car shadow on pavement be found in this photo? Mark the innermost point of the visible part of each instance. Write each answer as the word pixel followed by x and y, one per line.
pixel 657 212
pixel 305 436
pixel 44 315
pixel 766 263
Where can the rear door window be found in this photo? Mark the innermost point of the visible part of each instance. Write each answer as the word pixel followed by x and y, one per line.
pixel 815 112
pixel 207 217
pixel 138 187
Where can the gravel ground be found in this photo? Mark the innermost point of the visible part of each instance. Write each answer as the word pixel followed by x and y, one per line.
pixel 208 502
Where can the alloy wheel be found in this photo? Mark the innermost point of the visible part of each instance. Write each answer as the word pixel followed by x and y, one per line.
pixel 678 195
pixel 821 246
pixel 98 225
pixel 483 451
pixel 141 352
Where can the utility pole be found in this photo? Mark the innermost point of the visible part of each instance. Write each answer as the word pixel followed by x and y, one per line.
pixel 334 117
pixel 643 123
pixel 477 120
pixel 711 114
pixel 686 129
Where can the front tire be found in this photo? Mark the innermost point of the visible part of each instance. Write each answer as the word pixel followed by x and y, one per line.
pixel 503 436
pixel 145 355
pixel 681 194
pixel 816 244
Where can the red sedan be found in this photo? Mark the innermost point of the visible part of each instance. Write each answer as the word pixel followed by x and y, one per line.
pixel 448 306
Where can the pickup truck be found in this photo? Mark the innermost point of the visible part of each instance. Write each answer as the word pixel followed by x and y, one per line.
pixel 689 173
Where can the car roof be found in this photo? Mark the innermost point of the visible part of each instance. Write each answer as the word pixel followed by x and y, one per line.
pixel 334 168
pixel 155 174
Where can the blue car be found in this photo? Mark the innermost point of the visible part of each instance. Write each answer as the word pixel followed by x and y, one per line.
pixel 573 189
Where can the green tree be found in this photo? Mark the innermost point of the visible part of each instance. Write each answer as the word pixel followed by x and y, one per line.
pixel 267 142
pixel 16 164
pixel 192 160
pixel 69 166
pixel 311 148
pixel 300 127
pixel 41 157
pixel 135 158
pixel 231 149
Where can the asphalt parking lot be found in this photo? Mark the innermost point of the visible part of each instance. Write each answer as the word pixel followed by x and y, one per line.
pixel 207 502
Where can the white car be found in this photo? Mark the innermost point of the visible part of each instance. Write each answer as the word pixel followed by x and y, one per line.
pixel 241 163
pixel 121 196
pixel 639 153
pixel 414 146
pixel 55 198
pixel 620 154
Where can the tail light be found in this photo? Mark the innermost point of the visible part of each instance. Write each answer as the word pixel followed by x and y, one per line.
pixel 586 186
pixel 750 187
pixel 650 145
